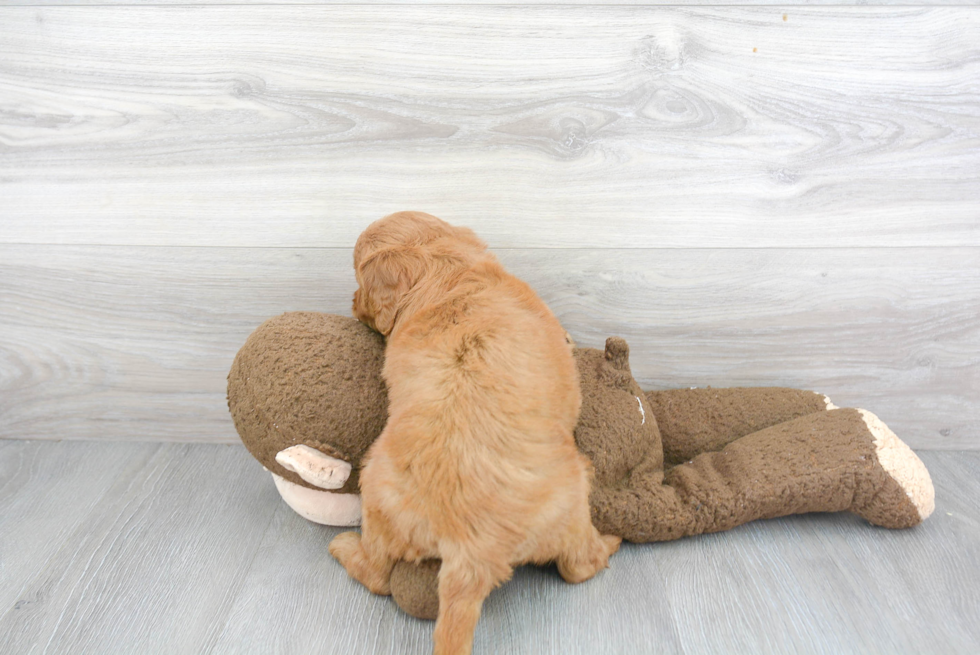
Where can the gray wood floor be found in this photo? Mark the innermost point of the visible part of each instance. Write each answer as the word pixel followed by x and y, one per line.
pixel 186 548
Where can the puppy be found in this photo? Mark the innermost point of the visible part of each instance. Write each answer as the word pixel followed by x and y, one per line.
pixel 477 464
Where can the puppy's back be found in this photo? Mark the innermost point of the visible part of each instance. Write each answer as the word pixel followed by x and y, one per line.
pixel 488 348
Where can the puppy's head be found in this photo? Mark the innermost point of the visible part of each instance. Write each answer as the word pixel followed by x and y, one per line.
pixel 397 252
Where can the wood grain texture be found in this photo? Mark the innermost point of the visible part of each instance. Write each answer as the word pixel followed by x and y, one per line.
pixel 295 585
pixel 539 126
pixel 41 508
pixel 122 343
pixel 866 590
pixel 193 552
pixel 639 3
pixel 157 563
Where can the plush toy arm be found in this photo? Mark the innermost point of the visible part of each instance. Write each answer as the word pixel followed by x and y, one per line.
pixel 843 459
pixel 695 421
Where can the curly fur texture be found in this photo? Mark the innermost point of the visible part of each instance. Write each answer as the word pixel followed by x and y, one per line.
pixel 477 464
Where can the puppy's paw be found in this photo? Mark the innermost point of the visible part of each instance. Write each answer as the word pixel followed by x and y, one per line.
pixel 344 546
pixel 347 549
pixel 612 544
pixel 585 565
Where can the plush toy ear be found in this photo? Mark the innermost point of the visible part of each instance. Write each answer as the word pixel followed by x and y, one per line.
pixel 618 353
pixel 388 275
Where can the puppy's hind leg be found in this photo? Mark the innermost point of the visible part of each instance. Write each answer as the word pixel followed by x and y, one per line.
pixel 463 586
pixel 584 552
pixel 366 556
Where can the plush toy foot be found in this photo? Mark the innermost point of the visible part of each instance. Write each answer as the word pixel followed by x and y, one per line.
pixel 347 549
pixel 905 496
pixel 415 588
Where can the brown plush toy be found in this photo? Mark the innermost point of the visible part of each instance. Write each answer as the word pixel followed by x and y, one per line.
pixel 307 398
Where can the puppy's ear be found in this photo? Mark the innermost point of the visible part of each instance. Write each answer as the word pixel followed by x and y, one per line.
pixel 388 275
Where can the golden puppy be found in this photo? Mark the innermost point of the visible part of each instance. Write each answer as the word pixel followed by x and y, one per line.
pixel 477 464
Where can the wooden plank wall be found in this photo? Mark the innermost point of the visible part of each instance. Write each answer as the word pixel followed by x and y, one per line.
pixel 751 195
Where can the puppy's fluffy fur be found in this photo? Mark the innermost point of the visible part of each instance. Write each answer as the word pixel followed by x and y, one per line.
pixel 477 464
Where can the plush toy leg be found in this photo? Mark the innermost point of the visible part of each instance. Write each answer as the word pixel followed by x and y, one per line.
pixel 415 587
pixel 695 421
pixel 843 459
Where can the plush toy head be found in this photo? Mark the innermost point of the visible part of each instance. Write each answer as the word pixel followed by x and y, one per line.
pixel 306 395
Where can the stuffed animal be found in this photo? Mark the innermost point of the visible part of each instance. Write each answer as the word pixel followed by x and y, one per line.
pixel 307 398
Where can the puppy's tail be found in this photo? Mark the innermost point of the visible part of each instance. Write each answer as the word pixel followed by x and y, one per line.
pixel 464 583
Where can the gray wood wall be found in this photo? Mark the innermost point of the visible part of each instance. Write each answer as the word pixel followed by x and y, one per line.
pixel 751 195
